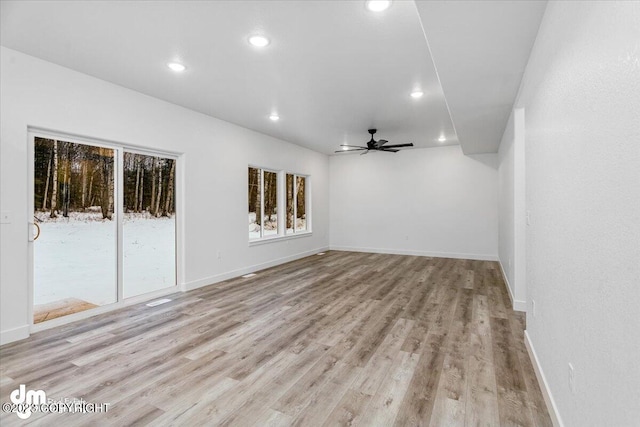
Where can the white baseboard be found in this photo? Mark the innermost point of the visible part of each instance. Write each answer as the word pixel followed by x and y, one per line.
pixel 478 257
pixel 544 386
pixel 518 305
pixel 189 286
pixel 15 334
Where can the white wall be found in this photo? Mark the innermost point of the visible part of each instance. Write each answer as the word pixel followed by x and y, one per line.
pixel 581 93
pixel 432 201
pixel 511 229
pixel 216 156
pixel 506 237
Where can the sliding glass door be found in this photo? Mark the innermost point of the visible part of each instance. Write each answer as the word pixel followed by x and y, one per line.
pixel 104 225
pixel 149 225
pixel 75 253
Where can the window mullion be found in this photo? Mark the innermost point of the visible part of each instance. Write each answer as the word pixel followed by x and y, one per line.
pixel 261 203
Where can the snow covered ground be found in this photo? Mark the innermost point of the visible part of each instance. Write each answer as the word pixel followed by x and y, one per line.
pixel 75 257
pixel 271 227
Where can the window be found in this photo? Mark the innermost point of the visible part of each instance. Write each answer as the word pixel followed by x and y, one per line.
pixel 263 203
pixel 296 204
pixel 268 189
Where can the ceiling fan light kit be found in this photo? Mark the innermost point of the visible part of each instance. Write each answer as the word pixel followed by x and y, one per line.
pixel 373 145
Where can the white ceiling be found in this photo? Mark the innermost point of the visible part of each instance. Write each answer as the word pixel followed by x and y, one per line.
pixel 333 69
pixel 481 49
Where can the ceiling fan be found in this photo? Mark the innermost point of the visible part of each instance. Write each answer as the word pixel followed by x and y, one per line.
pixel 373 145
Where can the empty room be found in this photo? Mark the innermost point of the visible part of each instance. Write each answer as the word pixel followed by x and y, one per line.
pixel 320 213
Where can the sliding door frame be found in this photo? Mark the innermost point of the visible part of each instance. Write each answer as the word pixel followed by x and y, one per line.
pixel 119 150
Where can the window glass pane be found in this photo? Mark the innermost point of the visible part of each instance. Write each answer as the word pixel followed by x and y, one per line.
pixel 270 219
pixel 254 203
pixel 75 253
pixel 301 218
pixel 148 226
pixel 289 221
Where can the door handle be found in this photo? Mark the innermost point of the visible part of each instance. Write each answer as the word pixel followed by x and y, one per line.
pixel 33 227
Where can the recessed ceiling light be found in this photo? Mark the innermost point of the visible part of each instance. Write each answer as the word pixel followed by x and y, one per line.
pixel 378 5
pixel 176 66
pixel 442 138
pixel 274 117
pixel 417 94
pixel 259 41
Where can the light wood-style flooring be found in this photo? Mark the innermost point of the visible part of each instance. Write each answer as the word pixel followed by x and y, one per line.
pixel 338 339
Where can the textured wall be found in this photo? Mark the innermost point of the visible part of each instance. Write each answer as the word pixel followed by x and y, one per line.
pixel 581 93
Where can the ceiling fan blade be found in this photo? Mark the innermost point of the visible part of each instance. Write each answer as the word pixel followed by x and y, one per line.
pixel 347 151
pixel 381 142
pixel 391 150
pixel 399 145
pixel 353 146
pixel 364 152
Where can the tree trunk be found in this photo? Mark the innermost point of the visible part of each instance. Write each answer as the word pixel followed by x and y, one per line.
pixel 153 186
pixel 54 189
pixel 104 185
pixel 156 211
pixel 141 208
pixel 289 208
pixel 90 197
pixel 257 201
pixel 65 183
pixel 300 199
pixel 85 167
pixel 168 205
pixel 135 204
pixel 46 187
pixel 111 195
pixel 267 202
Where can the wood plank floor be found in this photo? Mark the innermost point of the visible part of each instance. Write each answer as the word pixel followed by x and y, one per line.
pixel 339 339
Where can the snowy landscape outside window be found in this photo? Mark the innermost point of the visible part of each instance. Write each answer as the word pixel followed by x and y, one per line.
pixel 76 206
pixel 263 203
pixel 296 204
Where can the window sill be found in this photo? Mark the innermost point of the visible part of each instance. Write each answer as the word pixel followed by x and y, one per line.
pixel 272 239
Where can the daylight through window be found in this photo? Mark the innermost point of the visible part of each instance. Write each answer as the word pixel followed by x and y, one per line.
pixel 268 190
pixel 263 203
pixel 296 204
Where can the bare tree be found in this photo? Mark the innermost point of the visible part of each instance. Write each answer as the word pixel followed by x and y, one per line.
pixel 106 162
pixel 168 204
pixel 141 208
pixel 254 193
pixel 84 172
pixel 66 179
pixel 54 189
pixel 137 193
pixel 290 221
pixel 300 199
pixel 153 185
pixel 46 187
pixel 156 210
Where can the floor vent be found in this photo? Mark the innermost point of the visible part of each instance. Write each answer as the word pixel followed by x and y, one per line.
pixel 246 276
pixel 158 302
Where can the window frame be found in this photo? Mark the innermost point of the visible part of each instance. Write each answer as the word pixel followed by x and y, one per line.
pixel 281 176
pixel 294 229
